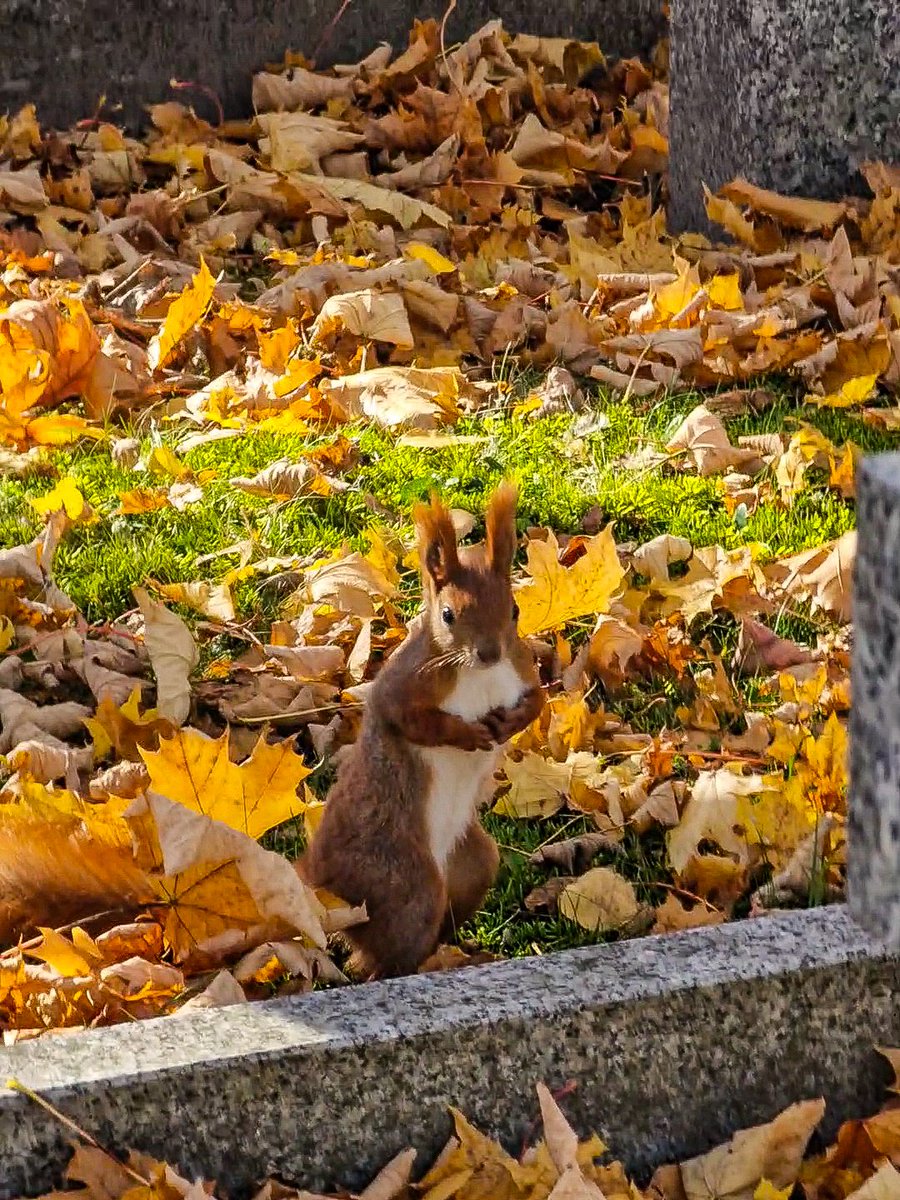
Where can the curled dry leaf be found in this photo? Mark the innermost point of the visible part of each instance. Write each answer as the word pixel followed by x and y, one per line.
pixel 573 854
pixel 772 1152
pixel 173 655
pixel 601 900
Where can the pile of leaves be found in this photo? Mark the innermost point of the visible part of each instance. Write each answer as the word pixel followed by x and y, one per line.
pixel 765 1162
pixel 369 249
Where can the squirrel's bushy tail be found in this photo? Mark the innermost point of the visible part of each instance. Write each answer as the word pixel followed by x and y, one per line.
pixel 52 876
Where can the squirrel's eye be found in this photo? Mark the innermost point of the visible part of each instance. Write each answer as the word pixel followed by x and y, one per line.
pixel 447 616
pixel 515 611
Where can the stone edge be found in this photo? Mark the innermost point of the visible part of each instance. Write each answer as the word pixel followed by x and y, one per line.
pixel 522 989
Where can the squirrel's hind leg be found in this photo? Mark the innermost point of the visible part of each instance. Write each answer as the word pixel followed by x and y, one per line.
pixel 402 930
pixel 471 870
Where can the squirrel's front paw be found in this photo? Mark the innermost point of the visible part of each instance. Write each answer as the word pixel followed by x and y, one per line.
pixel 478 736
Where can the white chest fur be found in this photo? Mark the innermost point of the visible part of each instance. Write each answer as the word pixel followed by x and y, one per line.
pixel 457 777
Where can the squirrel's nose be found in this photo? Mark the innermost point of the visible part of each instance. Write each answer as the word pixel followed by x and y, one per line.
pixel 488 655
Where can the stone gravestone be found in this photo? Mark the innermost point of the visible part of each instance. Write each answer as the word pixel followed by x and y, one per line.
pixel 792 94
pixel 62 55
pixel 874 816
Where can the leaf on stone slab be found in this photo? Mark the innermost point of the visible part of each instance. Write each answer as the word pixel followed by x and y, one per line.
pixel 552 594
pixel 672 915
pixel 222 991
pixel 795 212
pixel 599 901
pixel 774 1152
pixel 173 655
pixel 393 1179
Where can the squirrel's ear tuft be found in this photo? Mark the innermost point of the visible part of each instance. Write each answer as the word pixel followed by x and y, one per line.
pixel 437 541
pixel 500 520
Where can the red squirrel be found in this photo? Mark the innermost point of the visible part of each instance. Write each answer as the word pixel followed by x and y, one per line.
pixel 400 830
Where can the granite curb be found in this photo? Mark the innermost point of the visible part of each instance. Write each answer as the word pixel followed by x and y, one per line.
pixel 674 1043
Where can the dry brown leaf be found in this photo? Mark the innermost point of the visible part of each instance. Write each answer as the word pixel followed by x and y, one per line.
pixel 173 655
pixel 774 1152
pixel 600 900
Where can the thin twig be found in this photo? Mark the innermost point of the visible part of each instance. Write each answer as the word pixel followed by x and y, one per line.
pixel 33 943
pixel 15 1086
pixel 329 30
pixel 300 712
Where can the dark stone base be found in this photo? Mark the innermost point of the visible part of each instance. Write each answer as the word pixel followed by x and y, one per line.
pixel 63 54
pixel 792 94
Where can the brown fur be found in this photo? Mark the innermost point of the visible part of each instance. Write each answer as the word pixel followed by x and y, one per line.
pixel 372 845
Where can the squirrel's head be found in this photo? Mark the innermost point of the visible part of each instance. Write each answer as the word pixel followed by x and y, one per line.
pixel 469 605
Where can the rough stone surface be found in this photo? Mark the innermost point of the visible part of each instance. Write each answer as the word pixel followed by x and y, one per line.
pixel 63 54
pixel 792 94
pixel 674 1042
pixel 874 833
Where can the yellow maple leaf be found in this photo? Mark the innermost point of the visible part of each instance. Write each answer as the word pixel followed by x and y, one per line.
pixel 65 496
pixel 61 429
pixel 555 594
pixel 64 956
pixel 253 796
pixel 724 291
pixel 184 313
pixel 853 391
pixel 778 817
pixel 431 257
pixel 142 500
pixel 164 461
pixel 768 1191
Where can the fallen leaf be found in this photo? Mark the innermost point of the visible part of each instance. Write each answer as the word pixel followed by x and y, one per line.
pixel 173 655
pixel 600 900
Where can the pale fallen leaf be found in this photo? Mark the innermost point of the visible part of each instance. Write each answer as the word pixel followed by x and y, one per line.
pixel 774 1152
pixel 422 397
pixel 711 814
pixel 173 655
pixel 600 900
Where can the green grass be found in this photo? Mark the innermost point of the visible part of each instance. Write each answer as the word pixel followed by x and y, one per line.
pixel 561 473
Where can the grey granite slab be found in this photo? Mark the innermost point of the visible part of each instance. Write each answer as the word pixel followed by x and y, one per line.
pixel 874 817
pixel 792 94
pixel 64 54
pixel 674 1043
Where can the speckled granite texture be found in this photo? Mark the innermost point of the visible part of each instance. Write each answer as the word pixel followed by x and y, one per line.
pixel 674 1042
pixel 792 94
pixel 874 834
pixel 63 54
